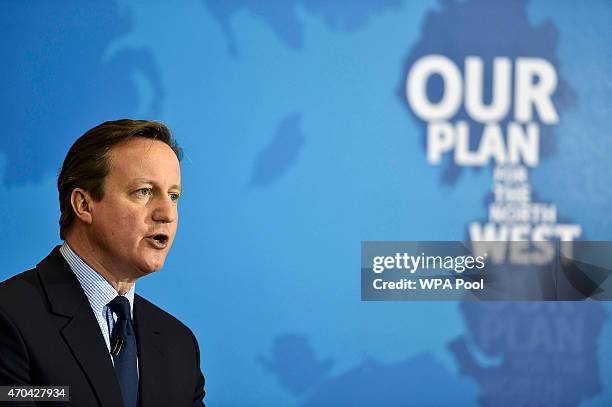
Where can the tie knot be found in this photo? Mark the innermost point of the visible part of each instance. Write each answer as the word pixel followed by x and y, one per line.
pixel 120 306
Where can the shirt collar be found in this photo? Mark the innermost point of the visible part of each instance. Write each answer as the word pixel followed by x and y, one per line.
pixel 99 292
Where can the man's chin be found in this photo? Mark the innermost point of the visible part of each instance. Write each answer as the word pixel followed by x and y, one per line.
pixel 150 267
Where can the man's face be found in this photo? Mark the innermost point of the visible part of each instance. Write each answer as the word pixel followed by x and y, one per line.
pixel 134 224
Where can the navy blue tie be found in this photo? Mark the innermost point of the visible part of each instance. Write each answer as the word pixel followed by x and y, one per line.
pixel 123 349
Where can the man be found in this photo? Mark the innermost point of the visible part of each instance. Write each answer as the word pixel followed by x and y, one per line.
pixel 75 320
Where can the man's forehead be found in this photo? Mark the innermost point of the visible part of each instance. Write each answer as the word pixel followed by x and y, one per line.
pixel 142 146
pixel 141 158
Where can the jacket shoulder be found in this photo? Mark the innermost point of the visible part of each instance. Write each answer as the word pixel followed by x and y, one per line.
pixel 163 319
pixel 20 289
pixel 26 293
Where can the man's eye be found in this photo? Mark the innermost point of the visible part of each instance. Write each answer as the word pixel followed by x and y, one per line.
pixel 174 197
pixel 144 192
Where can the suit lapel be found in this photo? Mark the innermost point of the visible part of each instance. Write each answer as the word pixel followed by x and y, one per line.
pixel 153 386
pixel 82 332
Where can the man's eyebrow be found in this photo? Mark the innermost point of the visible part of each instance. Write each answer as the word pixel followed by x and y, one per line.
pixel 137 181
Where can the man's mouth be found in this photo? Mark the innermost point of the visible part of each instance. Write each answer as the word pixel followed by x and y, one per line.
pixel 159 241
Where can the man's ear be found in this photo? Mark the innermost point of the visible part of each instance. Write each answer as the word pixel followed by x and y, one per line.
pixel 81 202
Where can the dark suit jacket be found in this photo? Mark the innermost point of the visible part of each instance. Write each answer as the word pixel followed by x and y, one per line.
pixel 49 336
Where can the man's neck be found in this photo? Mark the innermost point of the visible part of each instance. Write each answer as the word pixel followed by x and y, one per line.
pixel 81 245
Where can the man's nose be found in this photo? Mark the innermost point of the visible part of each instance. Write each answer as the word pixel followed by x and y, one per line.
pixel 165 210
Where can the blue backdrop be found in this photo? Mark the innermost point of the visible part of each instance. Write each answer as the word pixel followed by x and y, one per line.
pixel 301 142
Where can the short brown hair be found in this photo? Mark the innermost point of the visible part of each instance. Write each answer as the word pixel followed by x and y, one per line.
pixel 88 161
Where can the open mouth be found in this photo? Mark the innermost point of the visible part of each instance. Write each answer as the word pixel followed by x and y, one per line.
pixel 159 241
